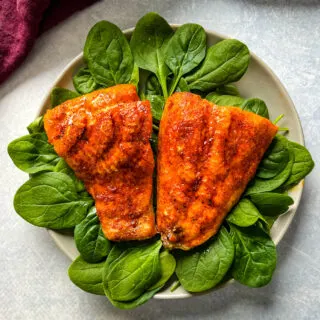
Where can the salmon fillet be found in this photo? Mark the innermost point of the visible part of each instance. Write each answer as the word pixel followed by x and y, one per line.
pixel 207 155
pixel 104 138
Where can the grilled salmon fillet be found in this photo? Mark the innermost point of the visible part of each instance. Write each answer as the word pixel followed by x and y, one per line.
pixel 104 138
pixel 207 155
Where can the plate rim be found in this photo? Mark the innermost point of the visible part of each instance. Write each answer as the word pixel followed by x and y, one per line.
pixel 299 188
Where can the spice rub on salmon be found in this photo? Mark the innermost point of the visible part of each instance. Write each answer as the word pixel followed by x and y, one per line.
pixel 207 155
pixel 104 138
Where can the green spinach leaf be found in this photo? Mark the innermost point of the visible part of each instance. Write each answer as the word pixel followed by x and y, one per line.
pixel 36 126
pixel 148 43
pixel 182 86
pixel 244 214
pixel 32 153
pixel 84 82
pixel 271 204
pixel 167 266
pixel 224 100
pixel 126 305
pixel 258 185
pixel 130 269
pixel 228 89
pixel 255 256
pixel 60 95
pixel 90 240
pixel 185 50
pixel 51 200
pixel 256 106
pixel 204 267
pixel 87 276
pixel 63 167
pixel 153 86
pixel 135 75
pixel 302 164
pixel 275 159
pixel 225 62
pixel 108 55
pixel 157 105
pixel 270 220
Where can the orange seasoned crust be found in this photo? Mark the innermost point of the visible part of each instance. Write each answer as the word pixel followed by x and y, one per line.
pixel 104 138
pixel 207 155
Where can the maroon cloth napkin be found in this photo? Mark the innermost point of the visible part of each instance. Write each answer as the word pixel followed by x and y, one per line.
pixel 22 20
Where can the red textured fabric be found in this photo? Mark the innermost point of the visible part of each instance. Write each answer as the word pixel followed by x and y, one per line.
pixel 59 10
pixel 19 21
pixel 19 26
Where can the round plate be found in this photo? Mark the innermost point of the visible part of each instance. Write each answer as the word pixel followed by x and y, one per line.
pixel 259 81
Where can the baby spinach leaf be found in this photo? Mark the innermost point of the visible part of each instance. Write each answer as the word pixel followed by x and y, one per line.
pixel 255 256
pixel 271 204
pixel 185 50
pixel 135 75
pixel 36 126
pixel 108 55
pixel 126 305
pixel 51 200
pixel 148 42
pixel 228 89
pixel 258 185
pixel 302 164
pixel 63 167
pixel 270 220
pixel 175 286
pixel 204 267
pixel 264 226
pixel 90 240
pixel 224 100
pixel 153 86
pixel 32 153
pixel 130 269
pixel 225 62
pixel 256 106
pixel 182 86
pixel 275 159
pixel 199 93
pixel 87 276
pixel 244 214
pixel 167 266
pixel 157 105
pixel 60 95
pixel 84 82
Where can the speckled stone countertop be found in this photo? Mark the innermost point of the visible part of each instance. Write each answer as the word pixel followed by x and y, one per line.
pixel 33 273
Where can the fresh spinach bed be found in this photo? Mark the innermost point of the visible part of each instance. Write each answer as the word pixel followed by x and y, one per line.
pixel 159 61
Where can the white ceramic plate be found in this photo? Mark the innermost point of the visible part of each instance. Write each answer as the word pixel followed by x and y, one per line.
pixel 259 81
